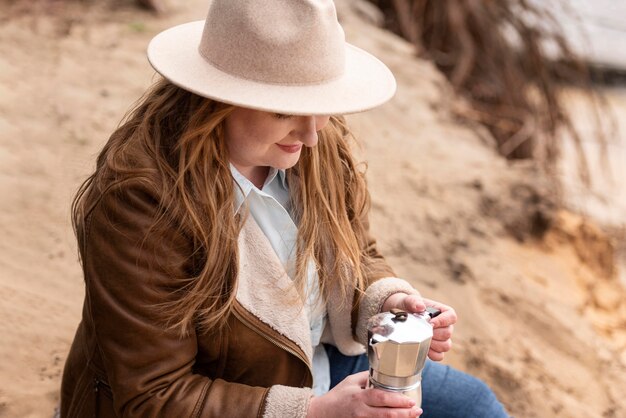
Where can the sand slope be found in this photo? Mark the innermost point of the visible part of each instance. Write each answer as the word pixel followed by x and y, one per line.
pixel 540 319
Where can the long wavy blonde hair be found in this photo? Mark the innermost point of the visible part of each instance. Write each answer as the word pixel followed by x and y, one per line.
pixel 182 135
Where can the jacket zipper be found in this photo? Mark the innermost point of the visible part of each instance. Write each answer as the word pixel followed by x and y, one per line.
pixel 274 341
pixel 98 383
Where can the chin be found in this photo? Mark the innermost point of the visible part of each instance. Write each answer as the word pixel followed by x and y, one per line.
pixel 285 164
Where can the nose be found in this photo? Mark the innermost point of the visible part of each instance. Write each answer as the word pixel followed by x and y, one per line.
pixel 307 130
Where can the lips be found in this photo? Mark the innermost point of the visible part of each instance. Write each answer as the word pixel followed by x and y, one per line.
pixel 290 148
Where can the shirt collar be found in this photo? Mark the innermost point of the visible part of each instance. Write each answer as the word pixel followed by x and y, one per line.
pixel 243 186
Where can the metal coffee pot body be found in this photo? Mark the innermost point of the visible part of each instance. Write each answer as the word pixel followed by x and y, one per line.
pixel 398 344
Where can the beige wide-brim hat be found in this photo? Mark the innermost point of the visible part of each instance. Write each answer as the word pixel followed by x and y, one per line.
pixel 281 56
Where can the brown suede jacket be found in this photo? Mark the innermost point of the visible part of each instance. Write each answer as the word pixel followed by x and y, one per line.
pixel 124 363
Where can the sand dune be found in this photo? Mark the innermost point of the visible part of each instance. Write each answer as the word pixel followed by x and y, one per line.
pixel 542 316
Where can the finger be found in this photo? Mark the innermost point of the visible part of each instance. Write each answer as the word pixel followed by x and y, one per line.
pixel 396 413
pixel 435 304
pixel 414 303
pixel 359 378
pixel 441 346
pixel 435 356
pixel 444 333
pixel 382 398
pixel 441 306
pixel 445 319
pixel 382 412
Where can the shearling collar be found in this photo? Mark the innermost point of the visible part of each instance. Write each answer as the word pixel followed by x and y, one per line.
pixel 266 291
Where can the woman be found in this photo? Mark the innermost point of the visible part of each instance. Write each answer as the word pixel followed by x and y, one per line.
pixel 224 236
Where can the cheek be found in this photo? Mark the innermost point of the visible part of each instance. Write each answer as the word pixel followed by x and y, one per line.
pixel 321 122
pixel 260 133
pixel 250 143
pixel 242 128
pixel 239 140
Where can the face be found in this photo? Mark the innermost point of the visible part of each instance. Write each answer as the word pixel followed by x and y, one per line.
pixel 257 140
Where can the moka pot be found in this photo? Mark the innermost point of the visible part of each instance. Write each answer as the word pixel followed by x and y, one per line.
pixel 398 344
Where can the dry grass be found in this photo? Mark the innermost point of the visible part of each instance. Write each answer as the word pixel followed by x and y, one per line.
pixel 494 54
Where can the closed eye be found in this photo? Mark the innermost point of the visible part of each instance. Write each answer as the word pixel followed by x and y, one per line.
pixel 282 116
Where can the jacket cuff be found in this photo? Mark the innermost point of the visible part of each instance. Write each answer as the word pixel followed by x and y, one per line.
pixel 375 296
pixel 287 402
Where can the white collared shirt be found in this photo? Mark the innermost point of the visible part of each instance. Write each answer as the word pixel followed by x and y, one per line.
pixel 271 209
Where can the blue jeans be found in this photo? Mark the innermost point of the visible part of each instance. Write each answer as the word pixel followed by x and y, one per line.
pixel 446 392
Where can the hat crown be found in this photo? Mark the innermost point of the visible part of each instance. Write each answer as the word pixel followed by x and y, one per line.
pixel 285 42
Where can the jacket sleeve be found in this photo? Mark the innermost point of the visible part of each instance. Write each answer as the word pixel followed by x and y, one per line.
pixel 129 271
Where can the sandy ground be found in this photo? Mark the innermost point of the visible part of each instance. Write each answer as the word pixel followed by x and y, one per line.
pixel 542 314
pixel 604 200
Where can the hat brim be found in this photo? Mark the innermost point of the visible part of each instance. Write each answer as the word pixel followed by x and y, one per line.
pixel 365 84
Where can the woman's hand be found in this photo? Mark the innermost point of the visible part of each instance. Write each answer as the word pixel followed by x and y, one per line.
pixel 443 325
pixel 350 399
